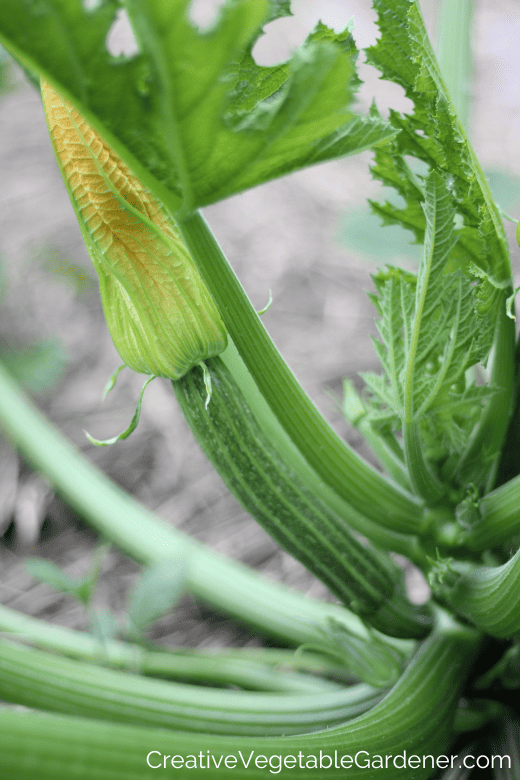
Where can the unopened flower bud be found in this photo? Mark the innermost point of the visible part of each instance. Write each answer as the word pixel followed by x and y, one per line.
pixel 161 316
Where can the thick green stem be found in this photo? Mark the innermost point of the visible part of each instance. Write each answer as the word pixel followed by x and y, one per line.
pixel 488 596
pixel 353 479
pixel 49 682
pixel 497 517
pixel 264 669
pixel 270 608
pixel 363 578
pixel 415 716
pixel 454 53
pixel 479 463
pixel 510 457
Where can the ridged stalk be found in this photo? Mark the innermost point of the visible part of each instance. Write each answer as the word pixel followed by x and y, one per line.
pixel 264 669
pixel 416 716
pixel 363 578
pixel 454 53
pixel 48 682
pixel 479 462
pixel 488 596
pixel 497 517
pixel 353 479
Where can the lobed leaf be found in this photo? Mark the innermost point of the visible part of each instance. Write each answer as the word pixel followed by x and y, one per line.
pixel 56 578
pixel 434 135
pixel 428 339
pixel 191 113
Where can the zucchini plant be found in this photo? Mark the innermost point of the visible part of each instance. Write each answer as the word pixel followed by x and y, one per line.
pixel 144 142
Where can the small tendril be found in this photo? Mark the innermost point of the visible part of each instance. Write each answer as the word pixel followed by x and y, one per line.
pixel 207 383
pixel 112 381
pixel 269 302
pixel 133 423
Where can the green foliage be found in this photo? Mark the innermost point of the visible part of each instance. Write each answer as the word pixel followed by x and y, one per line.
pixel 81 588
pixel 172 111
pixel 429 339
pixel 434 135
pixel 157 592
pixel 436 327
pixel 52 575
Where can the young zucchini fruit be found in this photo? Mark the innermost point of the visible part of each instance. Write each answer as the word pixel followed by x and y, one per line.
pixel 160 314
pixel 398 739
pixel 366 580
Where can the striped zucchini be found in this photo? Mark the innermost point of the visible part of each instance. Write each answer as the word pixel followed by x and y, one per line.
pixel 366 580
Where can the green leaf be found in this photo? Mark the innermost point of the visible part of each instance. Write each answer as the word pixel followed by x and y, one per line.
pixel 434 135
pixel 254 83
pixel 52 575
pixel 156 593
pixel 429 337
pixel 172 111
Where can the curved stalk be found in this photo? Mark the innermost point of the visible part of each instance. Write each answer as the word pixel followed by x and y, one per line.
pixel 488 596
pixel 498 517
pixel 454 54
pixel 266 669
pixel 416 716
pixel 365 579
pixel 48 682
pixel 342 469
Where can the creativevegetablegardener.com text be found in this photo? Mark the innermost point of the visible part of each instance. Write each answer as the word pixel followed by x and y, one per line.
pixel 322 760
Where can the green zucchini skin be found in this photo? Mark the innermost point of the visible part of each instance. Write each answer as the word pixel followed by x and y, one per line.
pixel 366 580
pixel 416 716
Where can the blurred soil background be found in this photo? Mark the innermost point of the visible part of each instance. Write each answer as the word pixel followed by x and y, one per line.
pixel 309 239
